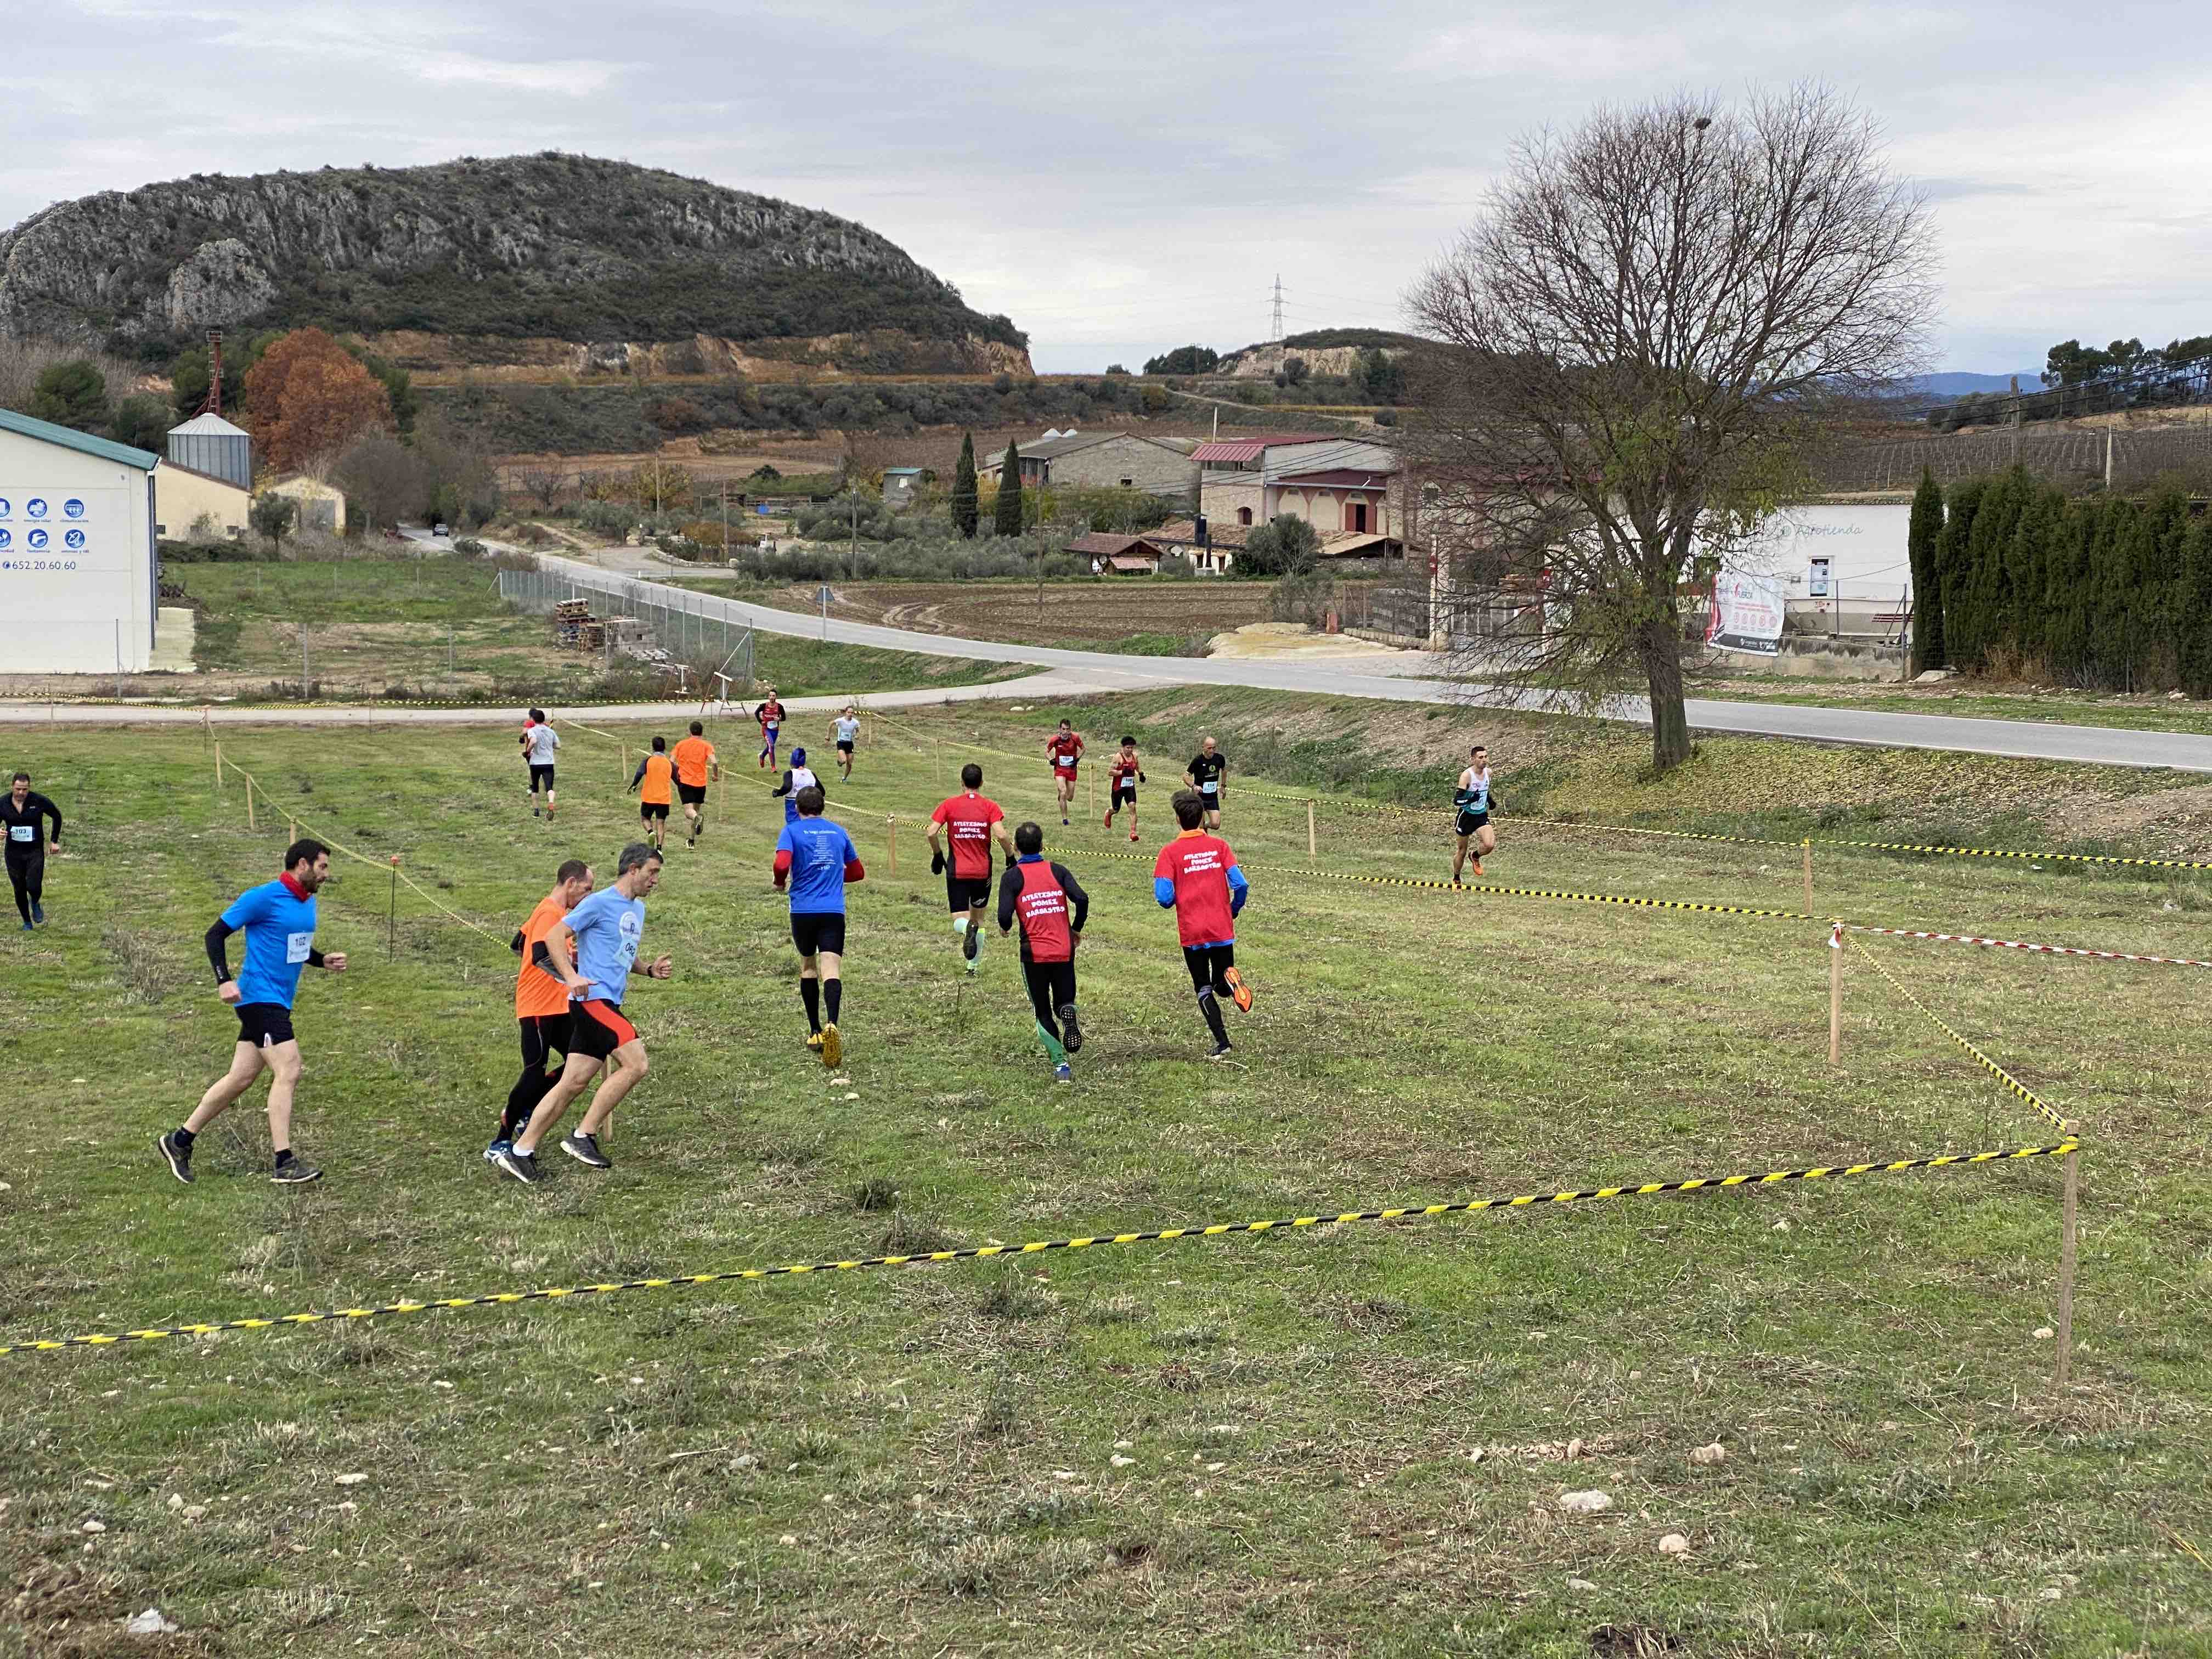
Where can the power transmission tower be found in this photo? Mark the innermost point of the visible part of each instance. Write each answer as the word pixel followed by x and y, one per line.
pixel 1275 328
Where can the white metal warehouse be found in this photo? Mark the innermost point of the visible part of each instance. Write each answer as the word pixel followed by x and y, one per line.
pixel 77 561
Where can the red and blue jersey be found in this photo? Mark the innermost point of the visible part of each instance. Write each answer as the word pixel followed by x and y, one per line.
pixel 1197 877
pixel 1047 901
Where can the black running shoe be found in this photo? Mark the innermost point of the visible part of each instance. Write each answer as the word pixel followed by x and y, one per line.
pixel 1221 1051
pixel 1070 1034
pixel 585 1149
pixel 292 1172
pixel 523 1166
pixel 180 1156
pixel 971 941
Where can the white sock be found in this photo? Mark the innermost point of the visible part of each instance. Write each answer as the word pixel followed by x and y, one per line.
pixel 960 926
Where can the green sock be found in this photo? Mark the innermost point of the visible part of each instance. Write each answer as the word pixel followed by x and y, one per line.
pixel 1053 1049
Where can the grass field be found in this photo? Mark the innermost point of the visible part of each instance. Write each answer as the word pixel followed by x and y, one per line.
pixel 1976 700
pixel 1247 1445
pixel 433 628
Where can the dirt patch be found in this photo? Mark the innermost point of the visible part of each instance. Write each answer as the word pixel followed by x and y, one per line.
pixel 1078 615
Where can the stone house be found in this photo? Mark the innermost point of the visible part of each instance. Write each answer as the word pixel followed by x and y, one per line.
pixel 1107 460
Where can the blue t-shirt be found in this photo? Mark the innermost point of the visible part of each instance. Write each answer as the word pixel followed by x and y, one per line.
pixel 280 931
pixel 820 849
pixel 609 929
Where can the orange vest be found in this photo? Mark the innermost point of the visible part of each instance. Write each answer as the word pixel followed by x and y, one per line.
pixel 537 993
pixel 693 757
pixel 654 789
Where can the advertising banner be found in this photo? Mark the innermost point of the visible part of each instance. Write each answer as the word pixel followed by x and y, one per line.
pixel 1747 613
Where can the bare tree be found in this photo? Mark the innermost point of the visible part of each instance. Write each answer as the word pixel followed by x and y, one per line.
pixel 542 485
pixel 1633 348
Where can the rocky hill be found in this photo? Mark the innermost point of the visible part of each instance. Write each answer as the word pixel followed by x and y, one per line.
pixel 1329 352
pixel 552 261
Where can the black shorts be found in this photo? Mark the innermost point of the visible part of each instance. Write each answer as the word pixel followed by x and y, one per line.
pixel 653 809
pixel 1213 802
pixel 264 1025
pixel 598 1028
pixel 966 892
pixel 541 777
pixel 1471 822
pixel 844 745
pixel 1207 962
pixel 813 933
pixel 540 1035
pixel 691 794
pixel 1124 794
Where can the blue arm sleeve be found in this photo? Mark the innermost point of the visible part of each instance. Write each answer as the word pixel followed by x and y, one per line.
pixel 1163 891
pixel 1239 890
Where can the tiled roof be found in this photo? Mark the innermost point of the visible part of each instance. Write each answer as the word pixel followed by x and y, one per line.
pixel 1185 532
pixel 1339 478
pixel 1106 541
pixel 1250 449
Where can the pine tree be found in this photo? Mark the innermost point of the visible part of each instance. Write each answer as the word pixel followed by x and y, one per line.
pixel 2193 618
pixel 1953 551
pixel 1922 539
pixel 1008 521
pixel 965 514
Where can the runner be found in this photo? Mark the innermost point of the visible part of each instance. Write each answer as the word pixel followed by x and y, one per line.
pixel 540 740
pixel 1476 804
pixel 696 766
pixel 769 713
pixel 1197 877
pixel 1205 774
pixel 1123 775
pixel 796 776
pixel 816 858
pixel 278 919
pixel 601 937
pixel 846 728
pixel 20 813
pixel 653 780
pixel 541 1000
pixel 974 821
pixel 1065 750
pixel 1039 894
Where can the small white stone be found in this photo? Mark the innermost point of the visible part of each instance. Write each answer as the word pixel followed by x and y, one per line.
pixel 1215 1468
pixel 1063 1475
pixel 353 1479
pixel 94 1526
pixel 440 1383
pixel 2052 1592
pixel 1580 1584
pixel 176 1500
pixel 1781 1226
pixel 1706 1456
pixel 1125 1445
pixel 150 1622
pixel 349 1507
pixel 193 1511
pixel 1120 1461
pixel 1574 1449
pixel 1673 1544
pixel 1478 1454
pixel 852 1095
pixel 1585 1502
pixel 744 1460
pixel 1635 1376
pixel 2044 1332
pixel 788 1539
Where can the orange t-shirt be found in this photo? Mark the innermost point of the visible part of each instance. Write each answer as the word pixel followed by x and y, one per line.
pixel 653 787
pixel 538 994
pixel 693 757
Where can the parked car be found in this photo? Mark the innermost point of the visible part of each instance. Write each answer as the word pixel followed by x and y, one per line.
pixel 439 529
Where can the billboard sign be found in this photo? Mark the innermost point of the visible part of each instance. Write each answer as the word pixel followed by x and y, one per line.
pixel 1746 614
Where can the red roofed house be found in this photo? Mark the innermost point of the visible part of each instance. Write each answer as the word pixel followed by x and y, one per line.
pixel 1350 489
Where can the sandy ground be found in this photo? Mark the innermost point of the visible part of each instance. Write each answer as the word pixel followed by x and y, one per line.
pixel 1292 639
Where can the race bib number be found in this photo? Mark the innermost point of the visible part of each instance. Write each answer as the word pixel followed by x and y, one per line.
pixel 1209 787
pixel 1068 760
pixel 296 946
pixel 24 832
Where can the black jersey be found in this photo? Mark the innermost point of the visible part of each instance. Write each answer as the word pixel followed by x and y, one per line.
pixel 19 825
pixel 1206 772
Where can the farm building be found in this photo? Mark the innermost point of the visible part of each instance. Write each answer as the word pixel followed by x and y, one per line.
pixel 322 506
pixel 902 487
pixel 1104 460
pixel 77 562
pixel 1350 491
pixel 190 504
pixel 1122 556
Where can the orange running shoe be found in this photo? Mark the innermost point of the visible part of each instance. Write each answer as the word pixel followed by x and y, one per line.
pixel 1238 990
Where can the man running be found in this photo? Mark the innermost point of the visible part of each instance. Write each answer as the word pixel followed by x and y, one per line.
pixel 696 766
pixel 1474 802
pixel 1205 774
pixel 1039 895
pixel 796 776
pixel 769 714
pixel 654 781
pixel 1197 877
pixel 1065 750
pixel 1123 775
pixel 816 859
pixel 20 813
pixel 846 728
pixel 278 920
pixel 541 1000
pixel 540 740
pixel 974 821
pixel 601 936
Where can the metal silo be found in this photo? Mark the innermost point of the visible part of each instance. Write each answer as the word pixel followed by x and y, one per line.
pixel 209 444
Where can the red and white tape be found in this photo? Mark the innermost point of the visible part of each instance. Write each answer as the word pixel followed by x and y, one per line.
pixel 2022 944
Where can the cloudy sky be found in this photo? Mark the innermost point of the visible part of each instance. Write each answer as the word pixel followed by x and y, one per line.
pixel 1123 179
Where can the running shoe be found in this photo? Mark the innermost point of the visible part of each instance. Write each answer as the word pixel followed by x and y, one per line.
pixel 1238 990
pixel 38 912
pixel 1070 1034
pixel 1063 1072
pixel 180 1156
pixel 522 1165
pixel 971 941
pixel 833 1047
pixel 1220 1050
pixel 491 1152
pixel 1063 823
pixel 292 1172
pixel 814 1040
pixel 1108 820
pixel 27 928
pixel 1478 866
pixel 585 1149
pixel 1133 834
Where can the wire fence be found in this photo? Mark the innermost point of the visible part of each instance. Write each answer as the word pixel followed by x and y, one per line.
pixel 688 634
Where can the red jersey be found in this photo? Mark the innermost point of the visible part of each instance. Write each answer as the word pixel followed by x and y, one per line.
pixel 1121 769
pixel 1065 749
pixel 970 819
pixel 1040 902
pixel 1193 870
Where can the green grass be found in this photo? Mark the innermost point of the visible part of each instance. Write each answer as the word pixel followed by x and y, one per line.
pixel 2058 707
pixel 924 1460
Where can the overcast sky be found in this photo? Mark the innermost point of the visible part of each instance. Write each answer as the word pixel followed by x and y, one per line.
pixel 1119 179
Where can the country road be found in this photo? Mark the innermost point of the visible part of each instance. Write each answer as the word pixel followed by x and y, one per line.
pixel 1403 677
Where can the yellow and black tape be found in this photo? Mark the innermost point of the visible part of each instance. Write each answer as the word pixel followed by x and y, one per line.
pixel 2041 856
pixel 2063 1124
pixel 986 1252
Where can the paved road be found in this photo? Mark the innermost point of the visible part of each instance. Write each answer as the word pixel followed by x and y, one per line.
pixel 1406 676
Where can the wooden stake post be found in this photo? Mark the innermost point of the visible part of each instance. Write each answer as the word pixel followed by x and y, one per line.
pixel 391 916
pixel 1836 994
pixel 2068 1238
pixel 891 831
pixel 1312 845
pixel 249 802
pixel 218 766
pixel 1808 875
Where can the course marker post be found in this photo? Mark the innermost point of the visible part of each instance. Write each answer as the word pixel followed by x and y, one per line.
pixel 218 768
pixel 1312 845
pixel 1808 873
pixel 250 823
pixel 2068 1237
pixel 291 829
pixel 1836 994
pixel 891 831
pixel 625 766
pixel 392 912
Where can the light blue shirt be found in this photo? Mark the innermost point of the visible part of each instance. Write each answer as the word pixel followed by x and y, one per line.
pixel 280 932
pixel 609 929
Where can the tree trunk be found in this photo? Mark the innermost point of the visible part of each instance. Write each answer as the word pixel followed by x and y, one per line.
pixel 1658 641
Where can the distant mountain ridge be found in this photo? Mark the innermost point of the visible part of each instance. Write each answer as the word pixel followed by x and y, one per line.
pixel 1955 383
pixel 489 261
